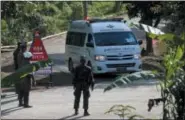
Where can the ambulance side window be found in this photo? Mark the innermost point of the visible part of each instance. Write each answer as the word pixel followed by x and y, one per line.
pixel 82 40
pixel 79 39
pixel 68 39
pixel 75 39
pixel 90 38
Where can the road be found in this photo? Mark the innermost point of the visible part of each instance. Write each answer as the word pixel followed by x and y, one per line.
pixel 57 102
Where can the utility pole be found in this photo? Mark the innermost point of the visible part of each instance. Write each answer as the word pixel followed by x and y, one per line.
pixel 85 8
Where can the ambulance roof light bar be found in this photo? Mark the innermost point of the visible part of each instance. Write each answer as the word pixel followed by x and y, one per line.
pixel 93 20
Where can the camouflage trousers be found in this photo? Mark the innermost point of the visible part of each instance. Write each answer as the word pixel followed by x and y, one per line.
pixel 79 88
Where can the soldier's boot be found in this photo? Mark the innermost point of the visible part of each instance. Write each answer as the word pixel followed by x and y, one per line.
pixel 76 111
pixel 86 113
pixel 77 101
pixel 86 103
pixel 20 99
pixel 26 100
pixel 20 103
pixel 27 106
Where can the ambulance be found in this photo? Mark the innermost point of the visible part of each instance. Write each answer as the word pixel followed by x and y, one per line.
pixel 108 45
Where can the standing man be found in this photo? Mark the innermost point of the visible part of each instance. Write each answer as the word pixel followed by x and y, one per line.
pixel 25 83
pixel 15 54
pixel 15 57
pixel 83 79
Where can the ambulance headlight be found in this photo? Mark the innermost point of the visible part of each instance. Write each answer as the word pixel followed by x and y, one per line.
pixel 137 56
pixel 100 58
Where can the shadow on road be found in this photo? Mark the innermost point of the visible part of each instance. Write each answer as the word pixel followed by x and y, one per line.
pixel 71 117
pixel 58 58
pixel 67 117
pixel 76 118
pixel 65 79
pixel 6 102
pixel 9 101
pixel 101 81
pixel 105 78
pixel 131 85
pixel 9 110
pixel 59 79
pixel 8 68
pixel 10 96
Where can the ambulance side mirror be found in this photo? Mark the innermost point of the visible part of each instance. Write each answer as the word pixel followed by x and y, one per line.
pixel 89 44
pixel 140 42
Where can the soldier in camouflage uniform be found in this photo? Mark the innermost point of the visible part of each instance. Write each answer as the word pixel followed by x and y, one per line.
pixel 83 79
pixel 25 83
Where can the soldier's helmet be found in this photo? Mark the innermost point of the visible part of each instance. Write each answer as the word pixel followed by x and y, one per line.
pixel 82 59
pixel 24 44
pixel 18 44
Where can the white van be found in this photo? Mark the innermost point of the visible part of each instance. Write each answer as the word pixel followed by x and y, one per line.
pixel 108 45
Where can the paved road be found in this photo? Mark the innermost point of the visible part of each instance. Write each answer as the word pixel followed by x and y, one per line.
pixel 57 102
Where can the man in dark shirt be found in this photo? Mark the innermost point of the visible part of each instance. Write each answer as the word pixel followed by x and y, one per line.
pixel 83 79
pixel 15 57
pixel 24 83
pixel 15 53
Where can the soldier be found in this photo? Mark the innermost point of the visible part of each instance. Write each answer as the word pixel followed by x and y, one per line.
pixel 25 83
pixel 15 56
pixel 83 79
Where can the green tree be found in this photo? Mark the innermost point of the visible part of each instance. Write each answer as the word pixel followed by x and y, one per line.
pixel 21 18
pixel 174 14
pixel 150 13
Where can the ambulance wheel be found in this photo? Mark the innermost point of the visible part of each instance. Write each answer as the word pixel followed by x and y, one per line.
pixel 70 65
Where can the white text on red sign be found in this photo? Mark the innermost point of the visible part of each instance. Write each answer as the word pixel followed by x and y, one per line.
pixel 37 48
pixel 38 57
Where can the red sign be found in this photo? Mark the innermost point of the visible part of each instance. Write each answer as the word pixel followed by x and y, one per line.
pixel 37 49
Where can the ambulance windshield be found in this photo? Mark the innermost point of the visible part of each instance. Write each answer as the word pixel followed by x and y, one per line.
pixel 115 38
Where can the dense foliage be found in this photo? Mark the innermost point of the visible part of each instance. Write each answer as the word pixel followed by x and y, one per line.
pixel 172 79
pixel 21 18
pixel 174 14
pixel 152 13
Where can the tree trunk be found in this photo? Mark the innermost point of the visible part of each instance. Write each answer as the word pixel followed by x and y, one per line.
pixel 157 21
pixel 117 6
pixel 85 8
pixel 149 47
